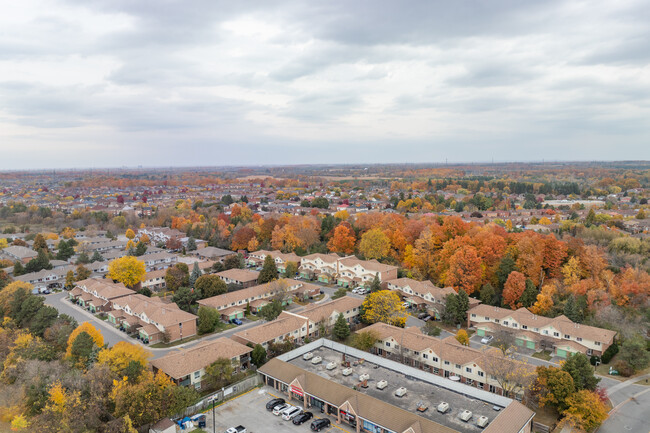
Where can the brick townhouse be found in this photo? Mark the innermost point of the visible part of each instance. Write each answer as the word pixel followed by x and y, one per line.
pixel 425 295
pixel 98 294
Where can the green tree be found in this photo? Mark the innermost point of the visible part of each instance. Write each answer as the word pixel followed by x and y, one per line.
pixel 269 271
pixel 208 319
pixel 208 286
pixel 140 249
pixel 96 257
pixel 456 306
pixel 83 258
pixel 220 372
pixel 634 352
pixel 591 218
pixel 65 251
pixel 19 269
pixel 488 295
pixel 191 244
pixel 376 284
pixel 506 266
pixel 571 310
pixel 529 296
pixel 83 273
pixel 235 261
pixel 291 270
pixel 258 355
pixel 340 292
pixel 320 202
pixel 184 298
pixel 271 310
pixel 553 386
pixel 196 273
pixel 364 340
pixel 40 262
pixel 82 349
pixel 582 372
pixel 341 328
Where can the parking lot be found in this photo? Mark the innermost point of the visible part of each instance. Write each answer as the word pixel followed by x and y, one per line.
pixel 250 411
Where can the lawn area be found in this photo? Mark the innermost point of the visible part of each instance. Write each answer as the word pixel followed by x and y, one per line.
pixel 252 317
pixel 546 415
pixel 544 355
pixel 175 343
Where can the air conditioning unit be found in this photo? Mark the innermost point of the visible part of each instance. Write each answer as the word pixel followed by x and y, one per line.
pixel 316 360
pixel 346 371
pixel 364 376
pixel 331 365
pixel 307 356
pixel 382 384
pixel 482 421
pixel 400 392
pixel 465 415
pixel 443 407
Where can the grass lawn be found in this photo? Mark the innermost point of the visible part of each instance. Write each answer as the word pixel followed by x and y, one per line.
pixel 252 317
pixel 544 355
pixel 176 343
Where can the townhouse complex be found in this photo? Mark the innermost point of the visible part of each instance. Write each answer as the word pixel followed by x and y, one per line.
pixel 345 271
pixel 424 295
pixel 532 331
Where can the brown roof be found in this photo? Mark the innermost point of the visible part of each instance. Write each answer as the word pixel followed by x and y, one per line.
pixel 285 324
pixel 365 406
pixel 248 294
pixel 186 361
pixel 318 312
pixel 512 418
pixel 243 275
pixel 368 265
pixel 104 288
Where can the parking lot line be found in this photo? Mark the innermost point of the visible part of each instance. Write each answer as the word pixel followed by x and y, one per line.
pixel 229 400
pixel 315 417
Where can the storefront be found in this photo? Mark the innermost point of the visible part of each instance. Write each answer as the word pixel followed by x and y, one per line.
pixel 296 393
pixel 373 428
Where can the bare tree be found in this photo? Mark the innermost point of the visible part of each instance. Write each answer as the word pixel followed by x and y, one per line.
pixel 504 340
pixel 514 376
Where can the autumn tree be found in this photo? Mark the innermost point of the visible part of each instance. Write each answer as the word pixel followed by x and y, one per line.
pixel 585 410
pixel 127 270
pixel 465 270
pixel 343 240
pixel 364 340
pixel 514 376
pixel 119 357
pixel 553 386
pixel 374 244
pixel 129 234
pixel 87 328
pixel 384 306
pixel 241 238
pixel 513 289
pixel 177 276
pixel 462 337
pixel 39 243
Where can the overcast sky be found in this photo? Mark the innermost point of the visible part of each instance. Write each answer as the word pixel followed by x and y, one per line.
pixel 95 83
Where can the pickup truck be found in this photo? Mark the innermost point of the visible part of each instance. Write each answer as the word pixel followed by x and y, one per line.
pixel 238 429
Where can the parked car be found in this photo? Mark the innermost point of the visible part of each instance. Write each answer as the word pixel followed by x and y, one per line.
pixel 319 424
pixel 427 318
pixel 238 429
pixel 302 418
pixel 423 315
pixel 487 339
pixel 273 403
pixel 236 321
pixel 279 409
pixel 290 413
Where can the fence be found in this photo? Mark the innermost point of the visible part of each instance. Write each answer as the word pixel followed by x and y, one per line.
pixel 221 395
pixel 541 428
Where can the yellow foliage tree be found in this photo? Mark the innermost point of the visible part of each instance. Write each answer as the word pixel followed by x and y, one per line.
pixel 586 410
pixel 19 423
pixel 118 357
pixel 145 239
pixel 127 270
pixel 571 271
pixel 89 329
pixel 67 233
pixel 7 294
pixel 374 244
pixel 130 244
pixel 544 221
pixel 462 337
pixel 253 245
pixel 343 215
pixel 384 306
pixel 3 243
pixel 129 234
pixel 544 301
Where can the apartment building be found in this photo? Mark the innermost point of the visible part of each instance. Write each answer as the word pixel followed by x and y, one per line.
pixel 98 294
pixel 243 277
pixel 323 267
pixel 159 260
pixel 425 295
pixel 256 258
pixel 160 235
pixel 355 272
pixel 19 253
pixel 153 319
pixel 532 331
pixel 187 367
pixel 446 357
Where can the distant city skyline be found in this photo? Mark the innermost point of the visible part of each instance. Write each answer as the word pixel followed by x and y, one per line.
pixel 117 83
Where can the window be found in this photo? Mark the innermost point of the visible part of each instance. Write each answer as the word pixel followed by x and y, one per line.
pixel 481 374
pixel 496 320
pixel 546 332
pixel 458 366
pixel 467 369
pixel 579 338
pixel 524 327
pixel 397 346
pixel 505 323
pixel 567 336
pixel 434 359
pixel 514 325
pixel 487 318
pixel 425 356
pixel 556 334
pixel 473 315
pixel 197 374
pixel 416 353
pixel 597 343
pixel 387 344
pixel 436 370
pixel 469 382
pixel 446 362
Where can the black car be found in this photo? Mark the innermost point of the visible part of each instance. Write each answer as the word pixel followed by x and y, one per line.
pixel 273 403
pixel 303 417
pixel 319 424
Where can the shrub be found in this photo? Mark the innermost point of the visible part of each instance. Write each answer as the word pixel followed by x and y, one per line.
pixel 609 353
pixel 594 359
pixel 624 369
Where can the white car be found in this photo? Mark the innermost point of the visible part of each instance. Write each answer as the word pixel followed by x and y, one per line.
pixel 487 339
pixel 280 408
pixel 238 429
pixel 291 412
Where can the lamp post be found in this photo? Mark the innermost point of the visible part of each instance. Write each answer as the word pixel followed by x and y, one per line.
pixel 214 421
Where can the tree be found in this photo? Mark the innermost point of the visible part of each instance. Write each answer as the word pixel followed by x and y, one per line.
pixel 119 357
pixel 96 257
pixel 127 270
pixel 553 385
pixel 374 244
pixel 506 266
pixel 504 340
pixel 269 271
pixel 196 273
pixel 462 337
pixel 320 202
pixel 83 273
pixel 83 258
pixel 65 251
pixel 129 234
pixel 513 289
pixel 235 261
pixel 343 239
pixel 340 292
pixel 191 244
pixel 208 286
pixel 514 376
pixel 581 370
pixel 271 310
pixel 341 328
pixel 87 328
pixel 40 243
pixel 40 262
pixel 571 310
pixel 465 269
pixel 431 329
pixel 140 249
pixel 530 294
pixel 291 270
pixel 81 350
pixel 456 306
pixel 384 306
pixel 488 295
pixel 151 398
pixel 376 284
pixel 634 352
pixel 184 298
pixel 365 340
pixel 208 319
pixel 258 355
pixel 220 372
pixel 177 276
pixel 585 410
pixel 19 269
